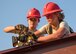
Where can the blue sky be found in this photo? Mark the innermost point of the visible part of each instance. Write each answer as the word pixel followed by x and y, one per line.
pixel 13 12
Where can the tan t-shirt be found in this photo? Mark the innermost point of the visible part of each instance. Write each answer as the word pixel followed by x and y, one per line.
pixel 47 29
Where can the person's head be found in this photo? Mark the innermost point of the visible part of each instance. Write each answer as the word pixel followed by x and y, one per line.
pixel 33 17
pixel 53 12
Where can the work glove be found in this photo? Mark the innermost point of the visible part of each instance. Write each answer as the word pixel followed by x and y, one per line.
pixel 33 35
pixel 21 29
pixel 23 38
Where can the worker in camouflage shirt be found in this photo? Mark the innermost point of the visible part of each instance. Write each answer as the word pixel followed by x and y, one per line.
pixel 25 36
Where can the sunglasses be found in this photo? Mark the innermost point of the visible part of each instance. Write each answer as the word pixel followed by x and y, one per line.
pixel 48 16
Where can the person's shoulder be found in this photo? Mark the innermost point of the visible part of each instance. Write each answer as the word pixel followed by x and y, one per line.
pixel 46 25
pixel 63 21
pixel 63 24
pixel 43 27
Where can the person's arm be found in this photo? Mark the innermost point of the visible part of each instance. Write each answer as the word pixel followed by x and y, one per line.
pixel 41 31
pixel 18 29
pixel 9 29
pixel 63 29
pixel 60 32
pixel 37 33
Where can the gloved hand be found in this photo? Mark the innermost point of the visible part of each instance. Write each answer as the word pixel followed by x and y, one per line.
pixel 33 35
pixel 21 29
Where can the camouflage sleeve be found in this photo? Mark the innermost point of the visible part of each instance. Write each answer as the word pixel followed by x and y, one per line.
pixel 20 29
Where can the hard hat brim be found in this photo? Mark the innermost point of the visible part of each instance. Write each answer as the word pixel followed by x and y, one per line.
pixel 59 10
pixel 34 16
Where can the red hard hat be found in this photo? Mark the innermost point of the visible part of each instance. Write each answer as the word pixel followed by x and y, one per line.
pixel 51 8
pixel 33 13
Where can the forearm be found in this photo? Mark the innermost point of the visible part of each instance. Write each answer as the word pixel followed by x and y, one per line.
pixel 59 33
pixel 9 29
pixel 47 38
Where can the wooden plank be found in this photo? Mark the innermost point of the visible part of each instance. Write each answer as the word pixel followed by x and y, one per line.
pixel 62 46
